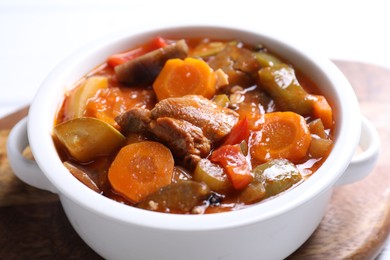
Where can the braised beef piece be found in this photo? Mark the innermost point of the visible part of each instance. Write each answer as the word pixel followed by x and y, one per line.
pixel 134 120
pixel 144 69
pixel 187 125
pixel 215 121
pixel 182 136
pixel 239 64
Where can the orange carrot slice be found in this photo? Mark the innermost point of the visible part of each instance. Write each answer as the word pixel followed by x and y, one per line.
pixel 282 135
pixel 141 169
pixel 322 110
pixel 184 77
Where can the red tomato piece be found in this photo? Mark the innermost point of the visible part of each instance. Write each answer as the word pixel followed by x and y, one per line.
pixel 120 58
pixel 234 163
pixel 239 132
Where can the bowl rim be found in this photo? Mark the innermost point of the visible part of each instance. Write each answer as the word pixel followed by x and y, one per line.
pixel 41 116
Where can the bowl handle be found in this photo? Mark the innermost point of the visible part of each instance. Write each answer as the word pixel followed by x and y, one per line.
pixel 363 161
pixel 25 169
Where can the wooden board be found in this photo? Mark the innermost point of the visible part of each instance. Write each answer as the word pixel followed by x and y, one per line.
pixel 355 226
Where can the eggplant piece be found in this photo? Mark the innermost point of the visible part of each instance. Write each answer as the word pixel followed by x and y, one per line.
pixel 82 176
pixel 180 197
pixel 144 69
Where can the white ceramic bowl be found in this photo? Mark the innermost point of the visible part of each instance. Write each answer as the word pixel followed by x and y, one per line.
pixel 270 230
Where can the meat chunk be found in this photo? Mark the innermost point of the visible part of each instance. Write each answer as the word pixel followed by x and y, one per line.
pixel 188 125
pixel 134 120
pixel 144 69
pixel 215 122
pixel 239 64
pixel 181 136
pixel 185 140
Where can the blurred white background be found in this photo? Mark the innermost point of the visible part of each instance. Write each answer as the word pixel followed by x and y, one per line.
pixel 36 35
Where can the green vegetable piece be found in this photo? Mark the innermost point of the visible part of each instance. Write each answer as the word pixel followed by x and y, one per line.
pixel 254 192
pixel 213 175
pixel 316 127
pixel 281 84
pixel 266 59
pixel 86 138
pixel 207 49
pixel 320 147
pixel 277 176
pixel 221 100
pixel 182 196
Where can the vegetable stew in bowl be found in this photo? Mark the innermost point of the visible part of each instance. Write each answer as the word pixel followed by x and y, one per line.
pixel 193 126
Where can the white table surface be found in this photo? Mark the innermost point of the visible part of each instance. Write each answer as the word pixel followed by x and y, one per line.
pixel 36 35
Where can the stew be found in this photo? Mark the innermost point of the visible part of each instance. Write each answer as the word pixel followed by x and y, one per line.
pixel 194 126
